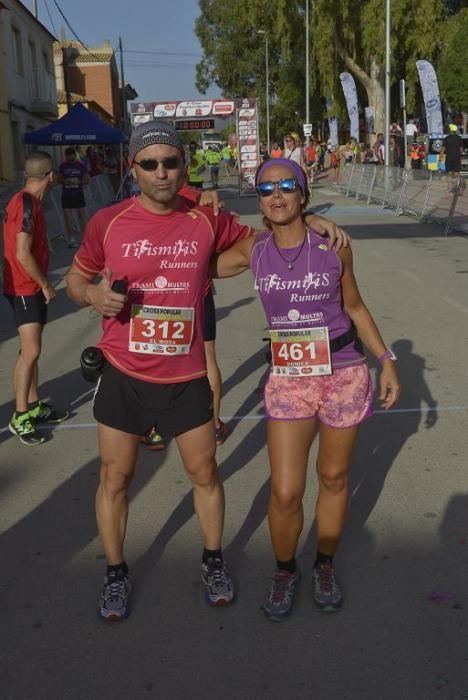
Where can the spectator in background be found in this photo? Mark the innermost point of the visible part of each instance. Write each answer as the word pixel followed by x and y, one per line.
pixel 276 151
pixel 336 162
pixel 29 292
pixel 293 150
pixel 196 166
pixel 111 167
pixel 417 155
pixel 93 162
pixel 452 149
pixel 394 152
pixel 379 149
pixel 72 176
pixel 410 134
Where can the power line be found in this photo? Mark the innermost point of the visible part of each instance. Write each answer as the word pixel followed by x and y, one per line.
pixel 73 31
pixel 163 53
pixel 160 65
pixel 50 18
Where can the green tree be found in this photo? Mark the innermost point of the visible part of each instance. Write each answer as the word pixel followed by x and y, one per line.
pixel 350 35
pixel 234 55
pixel 346 35
pixel 453 66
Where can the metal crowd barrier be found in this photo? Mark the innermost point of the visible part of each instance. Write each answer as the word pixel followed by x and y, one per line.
pixel 429 196
pixel 98 193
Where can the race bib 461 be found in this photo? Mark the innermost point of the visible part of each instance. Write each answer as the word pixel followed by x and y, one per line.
pixel 301 351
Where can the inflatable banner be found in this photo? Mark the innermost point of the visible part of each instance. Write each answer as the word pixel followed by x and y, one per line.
pixel 430 91
pixel 349 90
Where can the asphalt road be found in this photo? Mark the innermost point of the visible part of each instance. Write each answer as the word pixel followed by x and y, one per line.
pixel 403 563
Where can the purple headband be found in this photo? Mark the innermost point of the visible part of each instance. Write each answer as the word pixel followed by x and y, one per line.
pixel 299 174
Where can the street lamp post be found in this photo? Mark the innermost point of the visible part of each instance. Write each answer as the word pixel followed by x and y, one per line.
pixel 267 110
pixel 387 81
pixel 307 105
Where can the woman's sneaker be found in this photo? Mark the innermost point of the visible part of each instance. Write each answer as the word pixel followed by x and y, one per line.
pixel 44 413
pixel 327 594
pixel 219 588
pixel 23 427
pixel 153 440
pixel 113 604
pixel 283 589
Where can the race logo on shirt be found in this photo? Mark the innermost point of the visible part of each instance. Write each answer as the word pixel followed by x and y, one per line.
pixel 312 280
pixel 170 256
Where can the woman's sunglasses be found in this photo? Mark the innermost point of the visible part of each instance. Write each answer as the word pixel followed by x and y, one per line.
pixel 150 165
pixel 285 186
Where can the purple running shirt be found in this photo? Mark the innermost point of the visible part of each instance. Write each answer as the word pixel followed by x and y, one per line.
pixel 306 296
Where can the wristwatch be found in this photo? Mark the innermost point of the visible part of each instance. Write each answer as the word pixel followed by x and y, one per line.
pixel 387 355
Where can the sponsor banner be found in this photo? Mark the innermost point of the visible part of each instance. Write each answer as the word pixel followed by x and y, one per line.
pixel 196 108
pixel 140 118
pixel 165 110
pixel 248 144
pixel 430 91
pixel 186 108
pixel 221 108
pixel 349 90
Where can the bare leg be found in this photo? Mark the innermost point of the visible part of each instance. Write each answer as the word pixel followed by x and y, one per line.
pixel 25 372
pixel 68 216
pixel 118 454
pixel 334 459
pixel 82 219
pixel 288 448
pixel 197 449
pixel 214 378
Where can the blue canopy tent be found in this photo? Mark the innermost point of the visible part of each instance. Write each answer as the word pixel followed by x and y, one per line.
pixel 78 126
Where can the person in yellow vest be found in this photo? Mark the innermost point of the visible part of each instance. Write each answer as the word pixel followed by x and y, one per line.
pixel 226 154
pixel 196 166
pixel 213 158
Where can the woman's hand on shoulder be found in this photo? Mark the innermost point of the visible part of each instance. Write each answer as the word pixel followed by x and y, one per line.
pixel 338 238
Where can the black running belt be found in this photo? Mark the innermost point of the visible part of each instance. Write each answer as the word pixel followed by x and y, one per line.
pixel 345 339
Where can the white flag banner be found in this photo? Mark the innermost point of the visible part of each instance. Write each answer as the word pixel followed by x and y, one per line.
pixel 430 91
pixel 332 124
pixel 349 90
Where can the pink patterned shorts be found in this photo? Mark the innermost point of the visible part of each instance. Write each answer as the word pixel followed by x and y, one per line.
pixel 340 400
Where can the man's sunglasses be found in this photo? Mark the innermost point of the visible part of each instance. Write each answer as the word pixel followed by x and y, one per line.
pixel 286 186
pixel 150 165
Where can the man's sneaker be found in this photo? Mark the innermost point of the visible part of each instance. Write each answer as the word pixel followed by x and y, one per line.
pixel 327 594
pixel 113 602
pixel 23 427
pixel 153 440
pixel 281 597
pixel 43 413
pixel 218 582
pixel 221 433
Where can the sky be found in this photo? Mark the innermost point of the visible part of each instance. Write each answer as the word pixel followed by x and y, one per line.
pixel 160 26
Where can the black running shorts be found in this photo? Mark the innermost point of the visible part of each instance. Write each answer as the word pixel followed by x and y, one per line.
pixel 31 308
pixel 134 406
pixel 209 317
pixel 452 165
pixel 73 200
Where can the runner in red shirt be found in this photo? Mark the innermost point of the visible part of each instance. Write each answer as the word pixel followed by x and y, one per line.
pixel 153 343
pixel 25 285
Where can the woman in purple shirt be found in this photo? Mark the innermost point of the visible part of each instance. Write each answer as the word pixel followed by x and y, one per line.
pixel 319 379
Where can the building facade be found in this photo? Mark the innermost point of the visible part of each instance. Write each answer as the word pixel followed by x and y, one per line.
pixel 91 73
pixel 27 82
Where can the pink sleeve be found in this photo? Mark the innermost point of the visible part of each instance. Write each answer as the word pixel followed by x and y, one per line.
pixel 90 259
